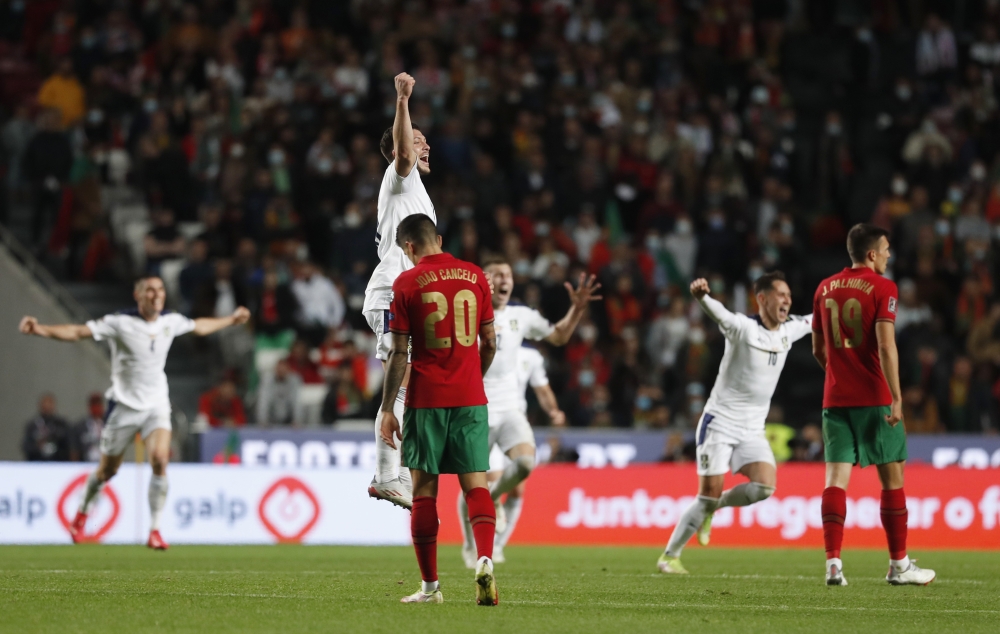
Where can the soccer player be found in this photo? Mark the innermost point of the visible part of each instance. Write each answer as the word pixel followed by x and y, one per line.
pixel 854 340
pixel 402 194
pixel 530 371
pixel 139 398
pixel 509 427
pixel 730 434
pixel 443 304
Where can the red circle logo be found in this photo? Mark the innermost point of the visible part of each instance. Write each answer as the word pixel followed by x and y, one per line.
pixel 289 510
pixel 109 522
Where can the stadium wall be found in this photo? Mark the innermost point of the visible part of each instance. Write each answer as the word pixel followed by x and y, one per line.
pixel 31 366
pixel 637 505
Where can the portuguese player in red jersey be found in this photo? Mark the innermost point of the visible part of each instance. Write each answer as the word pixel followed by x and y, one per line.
pixel 854 340
pixel 443 306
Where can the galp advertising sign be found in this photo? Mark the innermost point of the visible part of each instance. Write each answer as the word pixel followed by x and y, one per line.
pixel 948 508
pixel 205 505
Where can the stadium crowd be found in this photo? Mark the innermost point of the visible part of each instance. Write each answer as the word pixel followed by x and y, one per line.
pixel 231 146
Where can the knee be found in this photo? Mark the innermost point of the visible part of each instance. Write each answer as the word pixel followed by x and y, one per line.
pixel 760 492
pixel 525 464
pixel 106 472
pixel 159 464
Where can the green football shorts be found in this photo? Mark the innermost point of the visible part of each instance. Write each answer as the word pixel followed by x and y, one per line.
pixel 860 435
pixel 446 439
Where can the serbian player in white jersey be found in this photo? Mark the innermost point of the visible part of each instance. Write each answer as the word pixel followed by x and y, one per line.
pixel 730 434
pixel 139 398
pixel 402 194
pixel 530 371
pixel 509 427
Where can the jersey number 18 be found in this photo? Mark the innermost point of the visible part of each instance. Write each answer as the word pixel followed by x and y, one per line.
pixel 465 314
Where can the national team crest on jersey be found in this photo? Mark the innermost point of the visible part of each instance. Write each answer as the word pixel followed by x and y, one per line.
pixel 784 342
pixel 513 325
pixel 892 305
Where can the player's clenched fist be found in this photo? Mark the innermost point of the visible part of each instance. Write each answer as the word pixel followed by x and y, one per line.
pixel 241 316
pixel 404 85
pixel 28 325
pixel 699 288
pixel 389 429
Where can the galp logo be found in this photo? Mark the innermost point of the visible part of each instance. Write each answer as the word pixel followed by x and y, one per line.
pixel 103 515
pixel 289 510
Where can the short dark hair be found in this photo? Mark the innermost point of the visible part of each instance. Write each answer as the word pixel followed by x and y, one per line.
pixel 861 239
pixel 387 145
pixel 142 278
pixel 494 260
pixel 766 281
pixel 418 229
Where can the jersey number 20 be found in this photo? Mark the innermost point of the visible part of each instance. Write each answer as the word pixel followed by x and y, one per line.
pixel 465 313
pixel 851 316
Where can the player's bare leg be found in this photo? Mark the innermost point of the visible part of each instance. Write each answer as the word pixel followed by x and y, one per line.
pixel 902 570
pixel 522 462
pixel 158 448
pixel 106 469
pixel 763 479
pixel 482 516
pixel 709 490
pixel 391 482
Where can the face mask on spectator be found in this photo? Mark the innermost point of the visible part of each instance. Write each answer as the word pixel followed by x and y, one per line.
pixel 276 158
pixel 522 268
pixel 653 243
pixel 717 222
pixel 95 116
pixel 151 105
pixel 977 172
pixel 542 229
pixel 236 151
pixel 899 186
pixel 696 406
pixel 588 332
pixel 324 165
pixel 352 219
pixel 755 272
pixel 833 128
pixel 903 92
pixel 955 195
pixel 942 227
pixel 587 378
pixel 88 41
pixel 683 227
pixel 643 403
pixel 697 336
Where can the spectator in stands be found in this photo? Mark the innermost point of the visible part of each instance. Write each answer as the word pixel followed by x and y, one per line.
pixel 300 363
pixel 46 164
pixel 320 304
pixel 221 406
pixel 278 398
pixel 936 50
pixel 274 311
pixel 198 272
pixel 164 241
pixel 46 436
pixel 85 436
pixel 16 135
pixel 984 339
pixel 911 311
pixel 63 92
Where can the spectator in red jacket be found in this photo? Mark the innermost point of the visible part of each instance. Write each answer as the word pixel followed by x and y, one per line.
pixel 222 406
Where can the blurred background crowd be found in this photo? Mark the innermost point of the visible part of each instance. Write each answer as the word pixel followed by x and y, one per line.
pixel 231 146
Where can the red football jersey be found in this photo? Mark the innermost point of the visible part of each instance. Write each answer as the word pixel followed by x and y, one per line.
pixel 441 303
pixel 845 309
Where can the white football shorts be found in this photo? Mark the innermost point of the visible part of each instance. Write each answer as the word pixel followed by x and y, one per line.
pixel 721 450
pixel 498 460
pixel 378 321
pixel 509 428
pixel 123 423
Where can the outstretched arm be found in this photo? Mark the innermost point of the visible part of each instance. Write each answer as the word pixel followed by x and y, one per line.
pixel 713 307
pixel 61 332
pixel 402 129
pixel 580 297
pixel 207 325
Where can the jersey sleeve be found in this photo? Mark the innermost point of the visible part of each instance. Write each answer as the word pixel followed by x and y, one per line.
pixel 885 301
pixel 486 314
pixel 104 328
pixel 399 316
pixel 800 326
pixel 400 184
pixel 538 377
pixel 182 325
pixel 537 327
pixel 730 324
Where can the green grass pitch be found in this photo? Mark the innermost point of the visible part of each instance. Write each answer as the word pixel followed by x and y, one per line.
pixel 343 589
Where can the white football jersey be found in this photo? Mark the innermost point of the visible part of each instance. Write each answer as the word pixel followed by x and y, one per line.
pixel 513 325
pixel 398 198
pixel 750 367
pixel 530 371
pixel 138 355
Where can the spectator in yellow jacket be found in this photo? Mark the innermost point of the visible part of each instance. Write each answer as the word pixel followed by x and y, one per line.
pixel 63 92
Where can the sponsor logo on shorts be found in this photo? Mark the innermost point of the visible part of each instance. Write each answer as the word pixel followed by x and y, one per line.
pixel 289 510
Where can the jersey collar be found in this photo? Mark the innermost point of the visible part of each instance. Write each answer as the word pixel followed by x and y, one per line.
pixel 437 257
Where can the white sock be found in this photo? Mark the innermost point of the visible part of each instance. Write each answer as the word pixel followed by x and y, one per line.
pixel 468 539
pixel 834 562
pixel 157 499
pixel 90 493
pixel 513 475
pixel 512 506
pixel 689 523
pixel 900 564
pixel 386 458
pixel 429 586
pixel 745 494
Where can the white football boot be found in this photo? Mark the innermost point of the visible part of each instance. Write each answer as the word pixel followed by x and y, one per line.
pixel 835 574
pixel 912 576
pixel 424 597
pixel 392 491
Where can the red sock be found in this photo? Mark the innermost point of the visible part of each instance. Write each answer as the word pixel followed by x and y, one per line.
pixel 834 512
pixel 483 517
pixel 424 530
pixel 894 518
